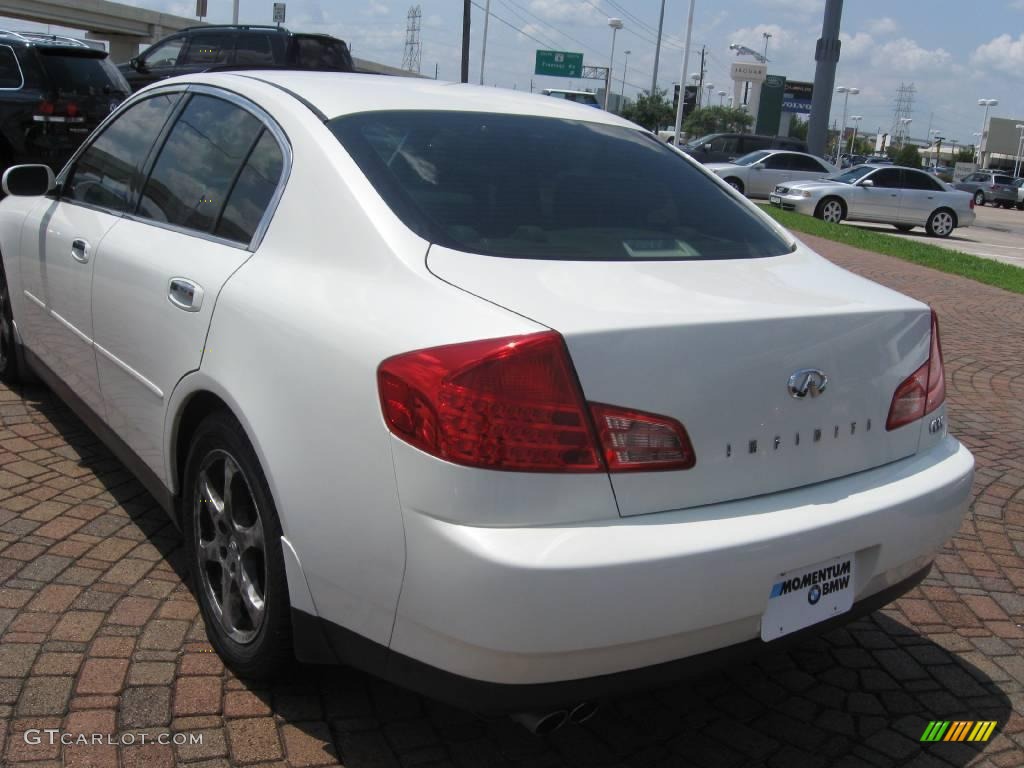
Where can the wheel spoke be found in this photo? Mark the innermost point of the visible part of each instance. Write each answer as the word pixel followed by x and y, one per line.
pixel 210 497
pixel 227 603
pixel 209 552
pixel 249 596
pixel 229 475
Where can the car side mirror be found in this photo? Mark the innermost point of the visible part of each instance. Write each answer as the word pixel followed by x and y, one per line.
pixel 28 180
pixel 758 166
pixel 706 147
pixel 137 64
pixel 867 183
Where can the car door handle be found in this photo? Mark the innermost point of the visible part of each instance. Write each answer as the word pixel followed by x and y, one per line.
pixel 80 251
pixel 184 294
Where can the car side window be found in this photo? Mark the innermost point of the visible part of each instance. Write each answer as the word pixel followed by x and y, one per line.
pixel 888 178
pixel 808 164
pixel 778 162
pixel 163 55
pixel 199 162
pixel 754 143
pixel 209 49
pixel 728 144
pixel 253 191
pixel 10 71
pixel 917 180
pixel 104 173
pixel 259 48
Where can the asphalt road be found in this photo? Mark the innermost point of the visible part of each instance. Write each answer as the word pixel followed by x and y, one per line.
pixel 997 234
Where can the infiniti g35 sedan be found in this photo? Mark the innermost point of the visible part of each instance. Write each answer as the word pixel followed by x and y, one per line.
pixel 903 197
pixel 493 395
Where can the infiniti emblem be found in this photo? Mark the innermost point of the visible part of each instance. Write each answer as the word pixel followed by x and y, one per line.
pixel 807 381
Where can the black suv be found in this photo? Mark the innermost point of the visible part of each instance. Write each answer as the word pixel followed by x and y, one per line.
pixel 726 147
pixel 197 49
pixel 53 91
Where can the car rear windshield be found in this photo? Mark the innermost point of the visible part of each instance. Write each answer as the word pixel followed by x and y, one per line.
pixel 73 73
pixel 545 188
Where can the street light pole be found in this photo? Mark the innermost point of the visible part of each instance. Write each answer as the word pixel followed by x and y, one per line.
pixel 657 50
pixel 721 98
pixel 846 103
pixel 483 44
pixel 767 36
pixel 682 77
pixel 987 104
pixel 234 12
pixel 1020 145
pixel 856 124
pixel 616 25
pixel 625 72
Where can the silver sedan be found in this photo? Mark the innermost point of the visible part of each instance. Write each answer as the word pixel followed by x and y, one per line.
pixel 903 197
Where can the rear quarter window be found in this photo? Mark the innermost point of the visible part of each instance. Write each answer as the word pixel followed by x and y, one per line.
pixel 546 188
pixel 10 70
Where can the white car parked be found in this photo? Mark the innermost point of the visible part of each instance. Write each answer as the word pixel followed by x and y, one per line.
pixel 887 194
pixel 758 173
pixel 493 395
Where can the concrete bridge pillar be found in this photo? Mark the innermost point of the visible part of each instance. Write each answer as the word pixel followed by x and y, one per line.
pixel 122 47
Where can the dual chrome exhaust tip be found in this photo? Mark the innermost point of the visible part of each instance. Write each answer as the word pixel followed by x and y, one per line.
pixel 548 721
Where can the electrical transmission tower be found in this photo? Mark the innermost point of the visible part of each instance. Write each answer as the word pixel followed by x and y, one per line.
pixel 411 59
pixel 903 109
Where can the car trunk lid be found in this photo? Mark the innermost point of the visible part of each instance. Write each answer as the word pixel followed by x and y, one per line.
pixel 713 344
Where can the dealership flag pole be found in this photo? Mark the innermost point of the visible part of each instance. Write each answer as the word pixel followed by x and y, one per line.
pixel 483 44
pixel 657 50
pixel 682 78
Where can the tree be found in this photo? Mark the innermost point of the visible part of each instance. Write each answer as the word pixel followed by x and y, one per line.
pixel 798 129
pixel 908 155
pixel 650 111
pixel 964 155
pixel 707 120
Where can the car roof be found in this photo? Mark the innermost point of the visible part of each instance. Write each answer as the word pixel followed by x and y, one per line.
pixel 46 40
pixel 342 93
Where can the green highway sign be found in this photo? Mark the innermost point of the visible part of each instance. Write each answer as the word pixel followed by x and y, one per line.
pixel 559 64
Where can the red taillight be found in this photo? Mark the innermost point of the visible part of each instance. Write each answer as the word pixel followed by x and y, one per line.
pixel 633 440
pixel 45 108
pixel 924 390
pixel 514 404
pixel 971 204
pixel 71 109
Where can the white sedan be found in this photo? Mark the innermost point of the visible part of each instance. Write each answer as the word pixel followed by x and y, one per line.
pixel 494 395
pixel 888 194
pixel 758 173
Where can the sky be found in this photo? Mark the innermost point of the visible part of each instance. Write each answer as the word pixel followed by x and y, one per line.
pixel 953 53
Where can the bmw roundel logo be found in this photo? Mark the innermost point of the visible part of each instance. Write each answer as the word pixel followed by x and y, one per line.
pixel 814 595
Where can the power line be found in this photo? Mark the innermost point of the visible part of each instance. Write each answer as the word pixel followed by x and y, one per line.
pixel 507 23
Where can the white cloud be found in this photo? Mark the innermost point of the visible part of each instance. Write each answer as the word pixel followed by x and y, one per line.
pixel 885 25
pixel 575 11
pixel 904 55
pixel 794 7
pixel 375 8
pixel 855 46
pixel 1002 53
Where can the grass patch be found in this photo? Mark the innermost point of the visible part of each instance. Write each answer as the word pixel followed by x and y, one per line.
pixel 987 271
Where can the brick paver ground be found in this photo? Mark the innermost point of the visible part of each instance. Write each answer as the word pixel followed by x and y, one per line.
pixel 99 634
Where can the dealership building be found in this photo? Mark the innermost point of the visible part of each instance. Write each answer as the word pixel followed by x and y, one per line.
pixel 1001 142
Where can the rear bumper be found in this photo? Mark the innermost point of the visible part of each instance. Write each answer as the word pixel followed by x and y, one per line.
pixel 543 605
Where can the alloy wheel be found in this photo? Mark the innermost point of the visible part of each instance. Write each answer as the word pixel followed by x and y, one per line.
pixel 942 223
pixel 832 211
pixel 979 198
pixel 230 547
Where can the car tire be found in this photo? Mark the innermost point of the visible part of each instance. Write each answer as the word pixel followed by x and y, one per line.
pixel 735 183
pixel 10 355
pixel 233 545
pixel 831 209
pixel 941 223
pixel 1020 206
pixel 904 227
pixel 979 198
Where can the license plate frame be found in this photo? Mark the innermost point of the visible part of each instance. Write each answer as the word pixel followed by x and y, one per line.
pixel 774 199
pixel 809 595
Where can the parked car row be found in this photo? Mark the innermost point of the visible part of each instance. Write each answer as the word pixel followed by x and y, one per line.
pixel 54 89
pixel 903 197
pixel 992 187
